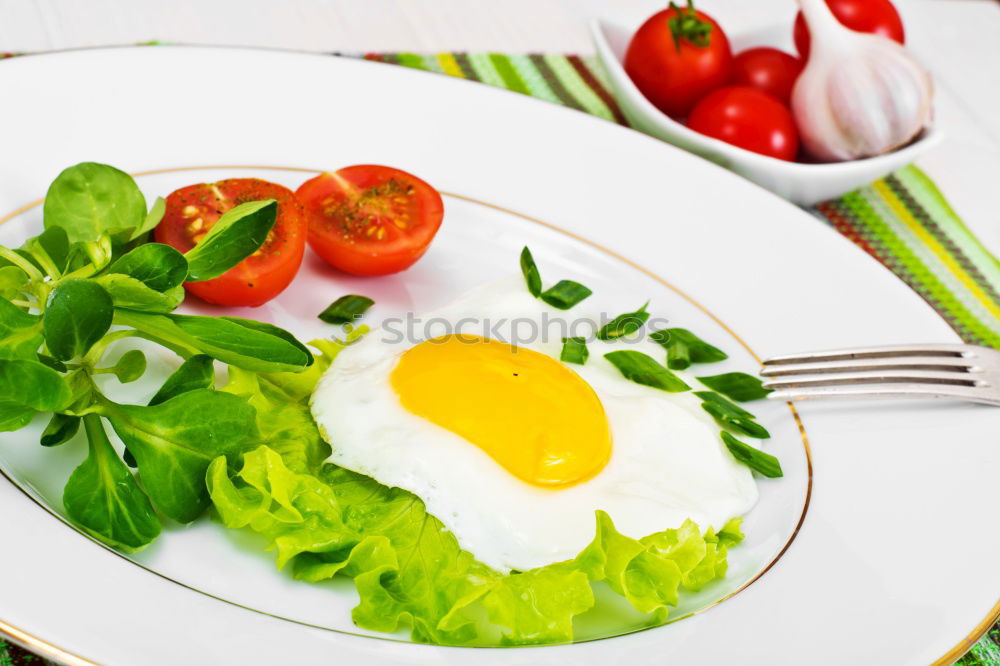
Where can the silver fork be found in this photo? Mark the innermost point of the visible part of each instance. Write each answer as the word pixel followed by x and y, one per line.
pixel 963 372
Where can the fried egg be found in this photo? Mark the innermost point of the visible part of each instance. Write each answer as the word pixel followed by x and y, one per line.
pixel 514 450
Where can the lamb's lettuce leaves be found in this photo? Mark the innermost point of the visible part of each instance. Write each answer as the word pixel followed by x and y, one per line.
pixel 129 292
pixel 89 199
pixel 60 429
pixel 77 315
pixel 174 442
pixel 13 280
pixel 282 403
pixel 20 332
pixel 251 345
pixel 410 571
pixel 104 498
pixel 28 387
pixel 235 236
pixel 158 266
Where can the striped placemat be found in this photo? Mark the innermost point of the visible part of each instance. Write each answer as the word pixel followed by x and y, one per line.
pixel 902 220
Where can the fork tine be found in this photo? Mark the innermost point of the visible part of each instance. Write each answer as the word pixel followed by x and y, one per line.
pixel 957 365
pixel 930 377
pixel 857 391
pixel 888 351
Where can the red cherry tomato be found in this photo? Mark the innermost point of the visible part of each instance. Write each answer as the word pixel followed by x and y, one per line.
pixel 769 70
pixel 875 16
pixel 193 210
pixel 676 57
pixel 369 219
pixel 748 118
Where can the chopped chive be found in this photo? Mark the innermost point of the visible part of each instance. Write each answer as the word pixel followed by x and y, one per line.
pixel 684 348
pixel 346 309
pixel 565 294
pixel 574 350
pixel 755 459
pixel 729 418
pixel 736 385
pixel 643 369
pixel 661 337
pixel 624 324
pixel 678 353
pixel 531 275
pixel 711 396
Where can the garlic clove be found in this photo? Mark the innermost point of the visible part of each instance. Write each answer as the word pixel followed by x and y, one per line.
pixel 859 95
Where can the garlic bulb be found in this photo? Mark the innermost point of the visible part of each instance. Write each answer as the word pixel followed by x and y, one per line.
pixel 860 94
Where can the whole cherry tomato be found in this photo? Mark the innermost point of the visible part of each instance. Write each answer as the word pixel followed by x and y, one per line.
pixel 748 118
pixel 677 56
pixel 769 70
pixel 875 16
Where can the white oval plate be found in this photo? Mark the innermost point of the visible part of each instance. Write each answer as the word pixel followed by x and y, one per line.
pixel 892 546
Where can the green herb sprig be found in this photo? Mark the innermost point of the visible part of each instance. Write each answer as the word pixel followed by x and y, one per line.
pixel 732 416
pixel 346 309
pixel 684 348
pixel 60 295
pixel 624 324
pixel 643 369
pixel 574 350
pixel 755 459
pixel 739 386
pixel 563 295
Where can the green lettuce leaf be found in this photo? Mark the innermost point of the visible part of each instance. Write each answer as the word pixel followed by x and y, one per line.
pixel 410 571
pixel 282 403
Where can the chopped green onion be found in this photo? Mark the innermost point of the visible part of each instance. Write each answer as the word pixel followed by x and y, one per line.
pixel 624 324
pixel 643 369
pixel 574 351
pixel 711 396
pixel 565 294
pixel 731 416
pixel 736 385
pixel 661 337
pixel 346 309
pixel 755 459
pixel 684 348
pixel 531 275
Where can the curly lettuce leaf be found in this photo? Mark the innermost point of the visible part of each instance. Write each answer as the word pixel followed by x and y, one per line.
pixel 538 606
pixel 282 403
pixel 410 571
pixel 405 565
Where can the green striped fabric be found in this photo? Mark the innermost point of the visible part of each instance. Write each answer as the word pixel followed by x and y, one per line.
pixel 901 220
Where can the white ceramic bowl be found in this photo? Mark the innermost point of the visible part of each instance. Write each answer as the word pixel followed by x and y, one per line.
pixel 804 184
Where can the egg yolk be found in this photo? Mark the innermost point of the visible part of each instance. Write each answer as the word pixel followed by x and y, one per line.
pixel 533 415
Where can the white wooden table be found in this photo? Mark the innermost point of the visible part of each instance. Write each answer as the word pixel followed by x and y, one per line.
pixel 958 39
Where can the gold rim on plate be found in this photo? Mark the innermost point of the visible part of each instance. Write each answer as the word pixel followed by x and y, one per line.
pixel 50 650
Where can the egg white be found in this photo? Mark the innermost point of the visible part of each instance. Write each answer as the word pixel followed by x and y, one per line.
pixel 667 464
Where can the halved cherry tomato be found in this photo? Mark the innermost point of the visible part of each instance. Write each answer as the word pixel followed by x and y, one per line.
pixel 369 219
pixel 767 69
pixel 875 16
pixel 676 57
pixel 193 210
pixel 748 118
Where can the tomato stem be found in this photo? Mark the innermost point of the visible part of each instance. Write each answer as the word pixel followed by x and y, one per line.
pixel 685 24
